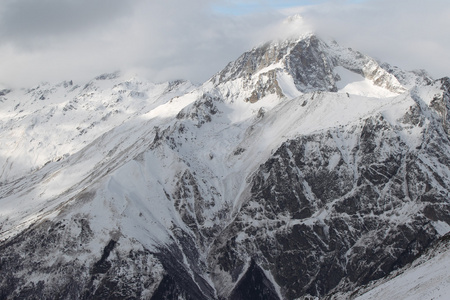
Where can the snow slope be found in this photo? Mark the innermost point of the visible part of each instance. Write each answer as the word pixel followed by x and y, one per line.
pixel 51 122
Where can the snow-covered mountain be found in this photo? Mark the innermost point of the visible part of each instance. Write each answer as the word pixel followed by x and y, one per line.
pixel 49 122
pixel 303 169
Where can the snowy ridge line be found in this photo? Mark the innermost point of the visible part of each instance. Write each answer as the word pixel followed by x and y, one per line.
pixel 128 142
pixel 65 117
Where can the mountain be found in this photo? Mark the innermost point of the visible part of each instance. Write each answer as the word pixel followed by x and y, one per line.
pixel 303 169
pixel 49 122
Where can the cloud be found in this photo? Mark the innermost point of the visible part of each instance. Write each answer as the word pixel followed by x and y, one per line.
pixel 26 21
pixel 55 40
pixel 412 34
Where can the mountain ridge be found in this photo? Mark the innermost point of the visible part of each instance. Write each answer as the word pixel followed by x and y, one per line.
pixel 265 170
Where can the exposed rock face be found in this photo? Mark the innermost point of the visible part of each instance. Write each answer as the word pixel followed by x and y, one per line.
pixel 48 262
pixel 441 102
pixel 424 278
pixel 254 285
pixel 324 213
pixel 222 194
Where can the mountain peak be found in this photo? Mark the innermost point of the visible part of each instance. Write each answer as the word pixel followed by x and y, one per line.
pixel 306 63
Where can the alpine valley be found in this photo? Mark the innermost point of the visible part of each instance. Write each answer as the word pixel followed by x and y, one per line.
pixel 302 170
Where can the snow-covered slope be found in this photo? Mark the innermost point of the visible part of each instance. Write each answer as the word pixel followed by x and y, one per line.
pixel 302 168
pixel 51 122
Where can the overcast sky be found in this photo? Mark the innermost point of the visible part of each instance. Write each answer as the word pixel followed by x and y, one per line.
pixel 55 40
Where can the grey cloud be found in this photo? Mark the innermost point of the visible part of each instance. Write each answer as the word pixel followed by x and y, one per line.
pixel 163 40
pixel 196 41
pixel 24 21
pixel 412 34
pixel 166 40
